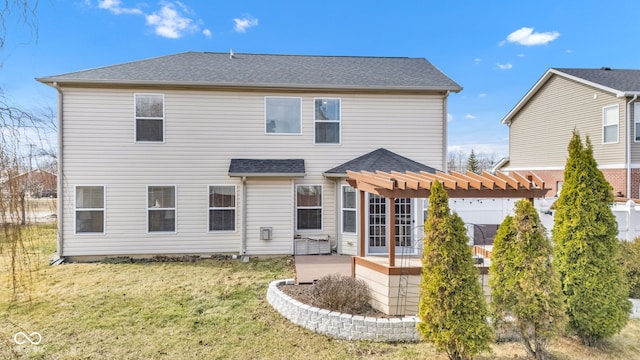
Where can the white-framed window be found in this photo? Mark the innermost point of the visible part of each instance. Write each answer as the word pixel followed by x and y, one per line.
pixel 161 208
pixel 283 115
pixel 636 121
pixel 309 207
pixel 349 206
pixel 327 121
pixel 89 206
pixel 149 117
pixel 610 120
pixel 222 208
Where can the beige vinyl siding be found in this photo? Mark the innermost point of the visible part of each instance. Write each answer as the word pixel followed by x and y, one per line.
pixel 635 145
pixel 541 130
pixel 270 204
pixel 204 130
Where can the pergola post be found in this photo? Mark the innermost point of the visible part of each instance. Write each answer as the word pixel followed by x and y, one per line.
pixel 361 224
pixel 391 231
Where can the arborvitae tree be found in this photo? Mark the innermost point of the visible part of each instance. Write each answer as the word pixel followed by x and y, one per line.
pixel 586 249
pixel 524 284
pixel 452 306
pixel 472 163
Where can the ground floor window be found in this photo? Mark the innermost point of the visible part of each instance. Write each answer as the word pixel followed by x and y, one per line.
pixel 161 208
pixel 222 208
pixel 89 208
pixel 348 209
pixel 309 207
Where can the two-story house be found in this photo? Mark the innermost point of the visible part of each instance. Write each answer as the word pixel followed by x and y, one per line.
pixel 203 153
pixel 599 103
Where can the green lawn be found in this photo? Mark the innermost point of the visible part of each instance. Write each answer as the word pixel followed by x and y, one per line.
pixel 213 309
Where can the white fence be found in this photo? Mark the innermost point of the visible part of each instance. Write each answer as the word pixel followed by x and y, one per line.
pixel 493 211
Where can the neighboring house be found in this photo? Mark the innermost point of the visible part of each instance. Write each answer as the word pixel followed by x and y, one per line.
pixel 34 183
pixel 203 153
pixel 599 103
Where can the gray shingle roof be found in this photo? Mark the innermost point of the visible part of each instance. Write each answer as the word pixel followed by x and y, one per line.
pixel 271 71
pixel 380 160
pixel 623 80
pixel 268 167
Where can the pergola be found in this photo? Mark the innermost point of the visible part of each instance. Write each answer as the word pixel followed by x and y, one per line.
pixel 392 185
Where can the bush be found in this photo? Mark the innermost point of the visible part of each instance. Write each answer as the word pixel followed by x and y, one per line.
pixel 630 254
pixel 341 293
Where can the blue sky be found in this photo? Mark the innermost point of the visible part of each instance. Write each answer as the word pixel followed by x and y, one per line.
pixel 496 50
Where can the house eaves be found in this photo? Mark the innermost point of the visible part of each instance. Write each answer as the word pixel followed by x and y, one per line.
pixel 571 74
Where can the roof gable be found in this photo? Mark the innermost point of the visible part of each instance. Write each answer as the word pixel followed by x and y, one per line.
pixel 616 81
pixel 379 160
pixel 269 71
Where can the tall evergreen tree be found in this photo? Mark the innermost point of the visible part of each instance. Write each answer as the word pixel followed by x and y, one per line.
pixel 586 249
pixel 452 306
pixel 473 164
pixel 524 284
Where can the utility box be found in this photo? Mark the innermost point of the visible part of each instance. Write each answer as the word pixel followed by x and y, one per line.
pixel 266 233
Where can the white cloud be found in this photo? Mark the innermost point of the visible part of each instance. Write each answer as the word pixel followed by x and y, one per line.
pixel 482 95
pixel 206 32
pixel 244 23
pixel 477 60
pixel 506 66
pixel 499 150
pixel 115 7
pixel 469 116
pixel 449 117
pixel 525 36
pixel 170 22
pixel 520 55
pixel 568 51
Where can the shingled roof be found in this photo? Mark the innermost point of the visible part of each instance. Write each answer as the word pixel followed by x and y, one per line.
pixel 269 71
pixel 622 80
pixel 267 167
pixel 379 160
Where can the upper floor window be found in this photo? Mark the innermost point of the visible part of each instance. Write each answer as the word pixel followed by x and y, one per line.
pixel 309 207
pixel 222 208
pixel 161 208
pixel 282 115
pixel 327 121
pixel 610 120
pixel 636 118
pixel 149 117
pixel 90 209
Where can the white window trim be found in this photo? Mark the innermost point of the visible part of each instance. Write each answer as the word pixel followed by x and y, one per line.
pixel 265 116
pixel 175 209
pixel 135 120
pixel 104 210
pixel 235 209
pixel 343 209
pixel 636 120
pixel 604 108
pixel 310 207
pixel 339 122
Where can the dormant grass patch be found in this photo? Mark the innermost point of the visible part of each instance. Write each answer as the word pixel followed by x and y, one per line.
pixel 207 309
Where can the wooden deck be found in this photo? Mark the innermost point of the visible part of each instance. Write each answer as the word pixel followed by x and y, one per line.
pixel 310 268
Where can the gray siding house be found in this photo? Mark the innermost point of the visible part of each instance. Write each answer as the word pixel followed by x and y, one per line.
pixel 599 103
pixel 205 153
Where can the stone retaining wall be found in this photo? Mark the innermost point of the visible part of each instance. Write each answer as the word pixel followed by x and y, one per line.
pixel 339 325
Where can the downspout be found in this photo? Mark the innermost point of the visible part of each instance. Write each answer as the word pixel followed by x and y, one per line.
pixel 60 202
pixel 243 247
pixel 445 126
pixel 628 147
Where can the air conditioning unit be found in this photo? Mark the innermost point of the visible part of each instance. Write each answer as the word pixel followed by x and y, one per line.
pixel 266 233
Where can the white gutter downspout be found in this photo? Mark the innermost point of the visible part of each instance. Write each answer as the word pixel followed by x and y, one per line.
pixel 243 247
pixel 60 202
pixel 628 141
pixel 445 131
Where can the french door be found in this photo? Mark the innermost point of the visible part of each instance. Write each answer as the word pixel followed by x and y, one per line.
pixel 377 242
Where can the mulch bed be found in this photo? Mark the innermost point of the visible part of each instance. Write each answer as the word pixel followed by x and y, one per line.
pixel 302 293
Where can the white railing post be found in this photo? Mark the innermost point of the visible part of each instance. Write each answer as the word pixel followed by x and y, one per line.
pixel 632 219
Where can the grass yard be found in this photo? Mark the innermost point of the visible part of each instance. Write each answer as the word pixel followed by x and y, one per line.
pixel 213 309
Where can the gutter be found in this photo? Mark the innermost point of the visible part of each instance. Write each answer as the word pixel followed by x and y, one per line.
pixel 445 131
pixel 628 147
pixel 243 245
pixel 60 202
